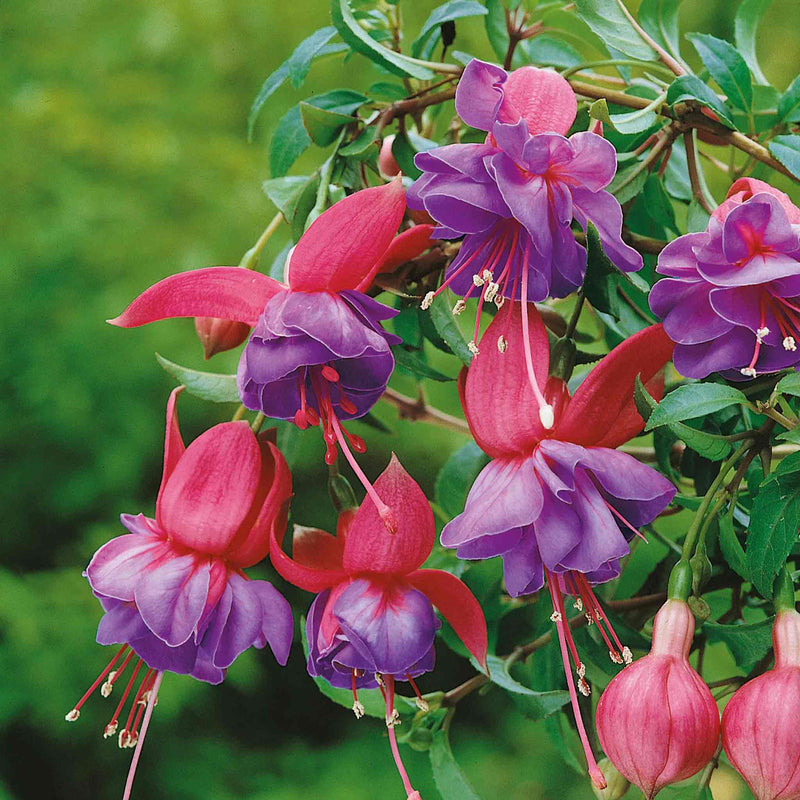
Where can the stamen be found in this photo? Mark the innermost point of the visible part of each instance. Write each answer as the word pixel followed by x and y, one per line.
pixel 124 733
pixel 427 301
pixel 789 344
pixel 358 707
pixel 502 344
pixel 140 741
pixel 73 715
pixel 460 305
pixel 390 712
pixel 625 521
pixel 330 374
pixel 477 280
pixel 546 413
pixel 748 372
pixel 761 333
pixel 473 348
pixel 422 703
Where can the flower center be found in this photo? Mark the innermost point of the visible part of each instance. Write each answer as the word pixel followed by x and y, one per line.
pixel 787 315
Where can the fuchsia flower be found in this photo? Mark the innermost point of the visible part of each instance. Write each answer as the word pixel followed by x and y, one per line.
pixel 513 199
pixel 372 622
pixel 760 722
pixel 558 504
pixel 657 720
pixel 173 589
pixel 731 296
pixel 318 352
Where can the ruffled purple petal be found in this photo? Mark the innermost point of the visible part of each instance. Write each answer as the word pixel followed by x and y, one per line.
pixel 523 570
pixel 594 161
pixel 479 94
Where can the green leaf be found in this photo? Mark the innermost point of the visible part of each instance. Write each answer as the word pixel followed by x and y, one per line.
pixel 748 642
pixel 789 384
pixel 447 327
pixel 774 521
pixel 691 88
pixel 285 193
pixel 745 26
pixel 692 401
pixel 496 28
pixel 789 103
pixel 357 37
pixel 299 61
pixel 410 363
pixel 660 19
pixel 321 125
pixel 551 51
pixel 456 477
pixel 450 780
pixel 628 182
pixel 601 281
pixel 787 150
pixel 697 217
pixel 404 153
pixel 268 88
pixel 455 9
pixel 631 122
pixel 606 19
pixel 792 436
pixel 731 547
pixel 659 207
pixel 727 68
pixel 206 385
pixel 534 705
pixel 361 146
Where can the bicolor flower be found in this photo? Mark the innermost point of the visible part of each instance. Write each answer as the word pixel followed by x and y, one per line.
pixel 173 589
pixel 759 724
pixel 558 504
pixel 372 622
pixel 657 721
pixel 514 198
pixel 730 298
pixel 318 352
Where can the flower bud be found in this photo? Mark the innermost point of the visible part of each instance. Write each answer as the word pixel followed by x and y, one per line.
pixel 219 335
pixel 759 726
pixel 616 783
pixel 387 163
pixel 657 720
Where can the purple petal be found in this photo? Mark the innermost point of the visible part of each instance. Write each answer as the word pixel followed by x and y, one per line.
pixel 523 570
pixel 678 259
pixel 277 625
pixel 594 161
pixel 479 94
pixel 121 624
pixel 687 312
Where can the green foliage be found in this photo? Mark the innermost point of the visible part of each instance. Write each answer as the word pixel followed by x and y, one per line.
pixel 457 476
pixel 209 386
pixel 727 68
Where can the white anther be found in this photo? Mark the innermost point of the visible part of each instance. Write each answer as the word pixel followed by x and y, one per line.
pixel 491 291
pixel 478 280
pixel 748 372
pixel 502 344
pixel 761 333
pixel 422 705
pixel 581 670
pixel 555 617
pixel 578 605
pixel 547 416
pixel 110 729
pixel 615 656
pixel 132 740
pixel 589 619
pixel 583 688
pixel 499 300
pixel 73 715
pixel 106 688
pixel 427 300
pixel 358 709
pixel 144 699
pixel 379 679
pixel 473 348
pixel 789 344
pixel 627 656
pixel 459 307
pixel 124 736
pixel 394 720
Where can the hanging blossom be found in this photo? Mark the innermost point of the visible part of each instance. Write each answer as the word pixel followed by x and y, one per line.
pixel 173 589
pixel 559 505
pixel 318 354
pixel 731 296
pixel 514 198
pixel 372 622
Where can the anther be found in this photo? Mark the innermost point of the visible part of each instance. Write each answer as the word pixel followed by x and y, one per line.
pixel 502 344
pixel 478 280
pixel 123 739
pixel 330 374
pixel 789 344
pixel 422 705
pixel 487 276
pixel 473 348
pixel 581 670
pixel 110 729
pixel 427 301
pixel 499 300
pixel 358 709
pixel 578 604
pixel 761 333
pixel 73 715
pixel 589 619
pixel 459 307
pixel 627 656
pixel 555 617
pixel 615 657
pixel 108 686
pixel 748 372
pixel 584 688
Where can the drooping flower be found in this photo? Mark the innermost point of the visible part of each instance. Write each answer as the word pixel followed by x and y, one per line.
pixel 657 720
pixel 372 622
pixel 760 722
pixel 318 352
pixel 514 198
pixel 557 503
pixel 731 296
pixel 173 590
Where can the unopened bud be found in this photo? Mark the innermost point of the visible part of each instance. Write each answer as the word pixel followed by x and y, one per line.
pixel 387 163
pixel 219 335
pixel 616 784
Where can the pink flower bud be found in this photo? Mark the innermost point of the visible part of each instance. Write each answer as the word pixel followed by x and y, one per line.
pixel 759 726
pixel 387 163
pixel 219 335
pixel 617 784
pixel 657 720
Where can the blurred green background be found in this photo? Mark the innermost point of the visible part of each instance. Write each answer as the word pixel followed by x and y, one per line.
pixel 123 158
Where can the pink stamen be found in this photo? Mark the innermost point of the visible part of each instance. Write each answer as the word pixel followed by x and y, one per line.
pixel 145 724
pixel 125 734
pixel 330 374
pixel 546 414
pixel 590 599
pixel 625 522
pixel 100 679
pixel 389 695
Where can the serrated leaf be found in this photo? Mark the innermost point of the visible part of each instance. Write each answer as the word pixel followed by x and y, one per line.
pixel 410 363
pixel 359 40
pixel 299 61
pixel 321 125
pixel 789 103
pixel 660 19
pixel 210 386
pixel 690 87
pixel 456 477
pixel 792 436
pixel 745 26
pixel 455 9
pixel 787 150
pixel 447 327
pixel 727 68
pixel 748 642
pixel 606 19
pixel 692 401
pixel 450 780
pixel 731 547
pixel 774 522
